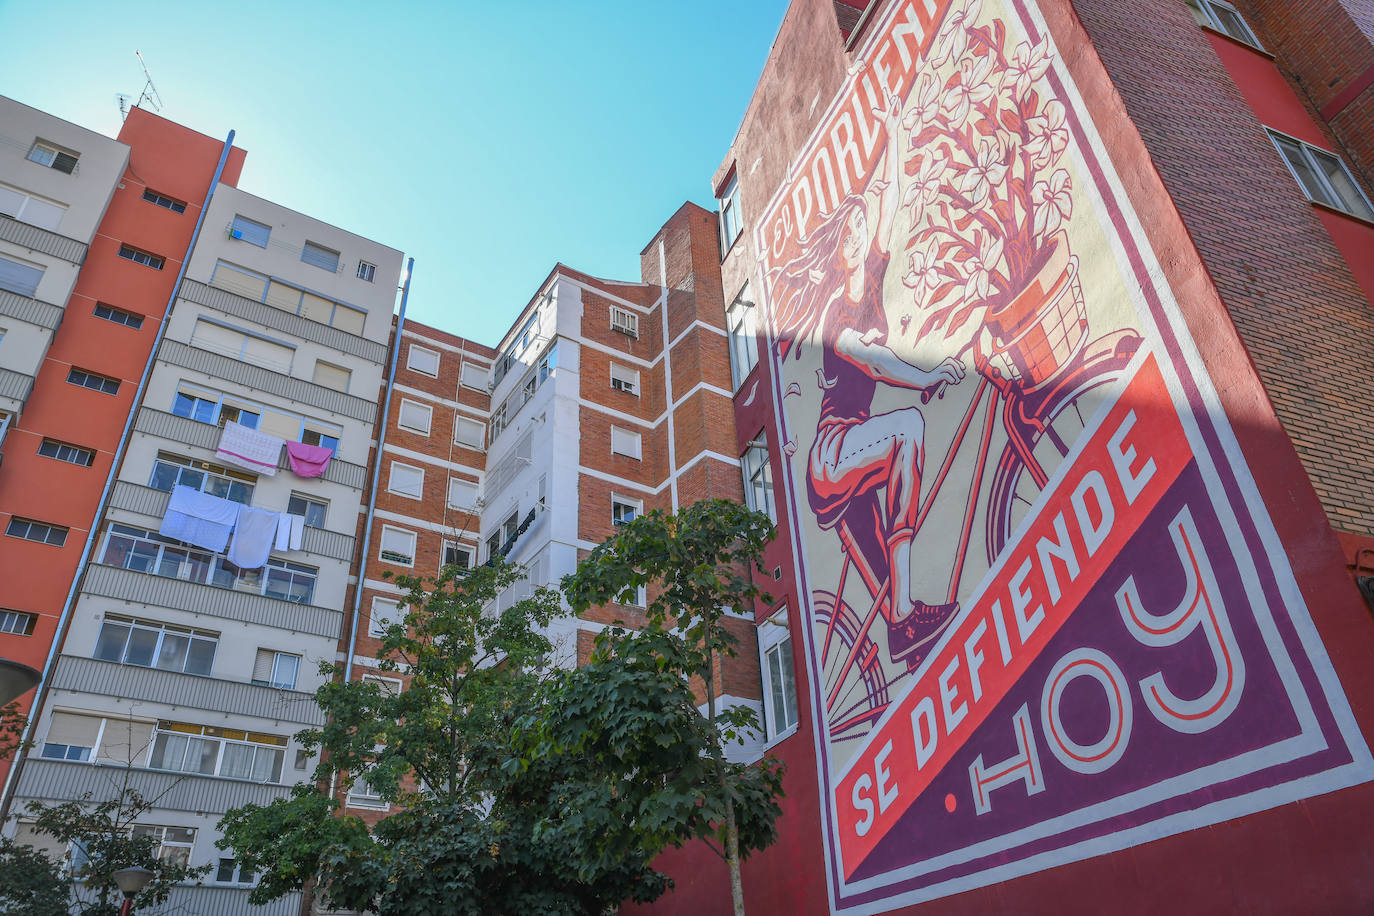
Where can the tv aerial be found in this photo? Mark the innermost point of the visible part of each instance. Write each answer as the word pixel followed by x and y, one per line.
pixel 148 98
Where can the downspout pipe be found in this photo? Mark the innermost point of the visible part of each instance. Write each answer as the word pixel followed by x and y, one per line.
pixel 377 474
pixel 64 620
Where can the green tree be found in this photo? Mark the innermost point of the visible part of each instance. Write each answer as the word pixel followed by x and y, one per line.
pixel 30 882
pixel 699 562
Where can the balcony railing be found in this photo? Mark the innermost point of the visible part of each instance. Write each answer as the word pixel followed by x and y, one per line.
pixel 205 435
pixel 170 688
pixel 60 781
pixel 34 311
pixel 186 356
pixel 15 385
pixel 229 604
pixel 36 239
pixel 277 319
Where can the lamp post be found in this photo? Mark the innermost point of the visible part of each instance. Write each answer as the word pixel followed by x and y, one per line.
pixel 16 679
pixel 131 881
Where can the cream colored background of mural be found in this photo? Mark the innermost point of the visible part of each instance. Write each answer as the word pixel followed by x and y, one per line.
pixel 960 84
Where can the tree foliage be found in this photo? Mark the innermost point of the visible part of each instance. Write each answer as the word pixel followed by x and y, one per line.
pixel 30 882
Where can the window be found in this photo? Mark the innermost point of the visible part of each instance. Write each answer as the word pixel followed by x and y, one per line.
pixel 415 416
pixel 390 686
pixel 744 345
pixel 118 316
pixel 312 510
pixel 17 623
pixel 493 546
pixel 625 442
pixel 406 480
pixel 71 737
pixel 26 208
pixel 162 200
pixel 1222 16
pixel 173 470
pixel 276 669
pixel 1323 176
pixel 230 871
pixel 149 552
pixel 212 751
pixel 498 422
pixel 19 278
pixel 758 478
pixel 150 644
pixel 332 376
pixel 250 231
pixel 320 256
pixel 472 375
pixel 367 271
pixel 423 360
pixel 468 432
pixel 398 546
pixel 37 531
pixel 625 379
pixel 207 407
pixel 547 363
pixel 72 454
pixel 129 253
pixel 318 437
pixel 55 751
pixel 455 555
pixel 730 223
pixel 243 345
pixel 173 843
pixel 462 494
pixel 779 680
pixel 624 510
pixel 52 157
pixel 385 613
pixel 93 381
pixel 624 321
pixel 362 795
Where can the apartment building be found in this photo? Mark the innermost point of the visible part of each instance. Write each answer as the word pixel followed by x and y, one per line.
pixel 186 667
pixel 93 232
pixel 1141 227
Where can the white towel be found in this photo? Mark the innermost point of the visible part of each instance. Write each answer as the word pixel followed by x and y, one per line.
pixel 199 518
pixel 248 448
pixel 253 536
pixel 283 541
pixel 297 531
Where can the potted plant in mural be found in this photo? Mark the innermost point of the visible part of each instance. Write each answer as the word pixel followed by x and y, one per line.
pixel 987 202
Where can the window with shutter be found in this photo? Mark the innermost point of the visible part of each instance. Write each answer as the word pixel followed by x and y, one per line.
pixel 320 256
pixel 398 546
pixel 625 322
pixel 423 360
pixel 262 666
pixel 468 432
pixel 29 209
pixel 462 494
pixel 473 376
pixel 332 376
pixel 625 442
pixel 19 278
pixel 406 480
pixel 385 612
pixel 245 283
pixel 415 417
pixel 249 230
pixel 625 379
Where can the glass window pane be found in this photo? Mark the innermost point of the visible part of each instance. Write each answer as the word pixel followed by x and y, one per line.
pixel 284 671
pixel 200 756
pixel 173 559
pixel 201 656
pixel 225 873
pixel 240 493
pixel 1351 200
pixel 168 752
pixel 164 476
pixel 110 646
pixel 217 486
pixel 237 762
pixel 172 654
pixel 267 765
pixel 142 644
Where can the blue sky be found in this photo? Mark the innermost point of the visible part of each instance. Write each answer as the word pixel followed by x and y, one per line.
pixel 486 140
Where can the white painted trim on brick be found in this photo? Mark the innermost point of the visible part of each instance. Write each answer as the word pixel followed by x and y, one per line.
pixel 477 412
pixel 431 460
pixel 449 531
pixel 572 281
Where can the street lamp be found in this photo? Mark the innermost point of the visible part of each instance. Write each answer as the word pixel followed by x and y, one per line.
pixel 131 881
pixel 16 680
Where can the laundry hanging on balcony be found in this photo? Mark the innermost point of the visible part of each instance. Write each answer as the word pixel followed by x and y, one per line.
pixel 248 448
pixel 199 518
pixel 308 460
pixel 290 531
pixel 253 535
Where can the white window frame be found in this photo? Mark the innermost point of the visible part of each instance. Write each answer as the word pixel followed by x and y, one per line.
pixel 624 378
pixel 415 405
pixel 46 154
pixel 425 353
pixel 773 635
pixel 755 463
pixel 392 484
pixel 397 614
pixel 466 378
pixel 241 222
pixel 635 505
pixel 273 680
pixel 627 436
pixel 402 533
pixel 476 488
pixel 1332 197
pixel 480 444
pixel 731 224
pixel 741 323
pixel 367 271
pixel 458 547
pixel 624 321
pixel 1213 13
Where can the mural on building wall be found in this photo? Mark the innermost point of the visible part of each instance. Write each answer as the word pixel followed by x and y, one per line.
pixel 1048 616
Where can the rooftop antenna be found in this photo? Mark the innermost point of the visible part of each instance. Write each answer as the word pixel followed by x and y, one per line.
pixel 149 93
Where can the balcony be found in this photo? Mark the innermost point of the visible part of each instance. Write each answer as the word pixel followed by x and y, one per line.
pixel 152 503
pixel 15 385
pixel 279 320
pixel 176 353
pixel 209 900
pixel 229 604
pixel 34 311
pixel 204 435
pixel 61 781
pixel 36 239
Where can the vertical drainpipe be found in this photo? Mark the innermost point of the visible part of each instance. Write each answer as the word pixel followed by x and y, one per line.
pixel 376 474
pixel 59 636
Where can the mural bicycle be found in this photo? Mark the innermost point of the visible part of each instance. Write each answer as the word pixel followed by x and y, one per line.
pixel 989 408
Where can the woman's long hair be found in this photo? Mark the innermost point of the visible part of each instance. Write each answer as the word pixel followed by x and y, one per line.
pixel 805 288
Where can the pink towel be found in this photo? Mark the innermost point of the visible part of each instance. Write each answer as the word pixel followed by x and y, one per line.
pixel 308 460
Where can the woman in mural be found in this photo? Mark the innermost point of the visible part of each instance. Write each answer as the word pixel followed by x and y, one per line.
pixel 831 296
